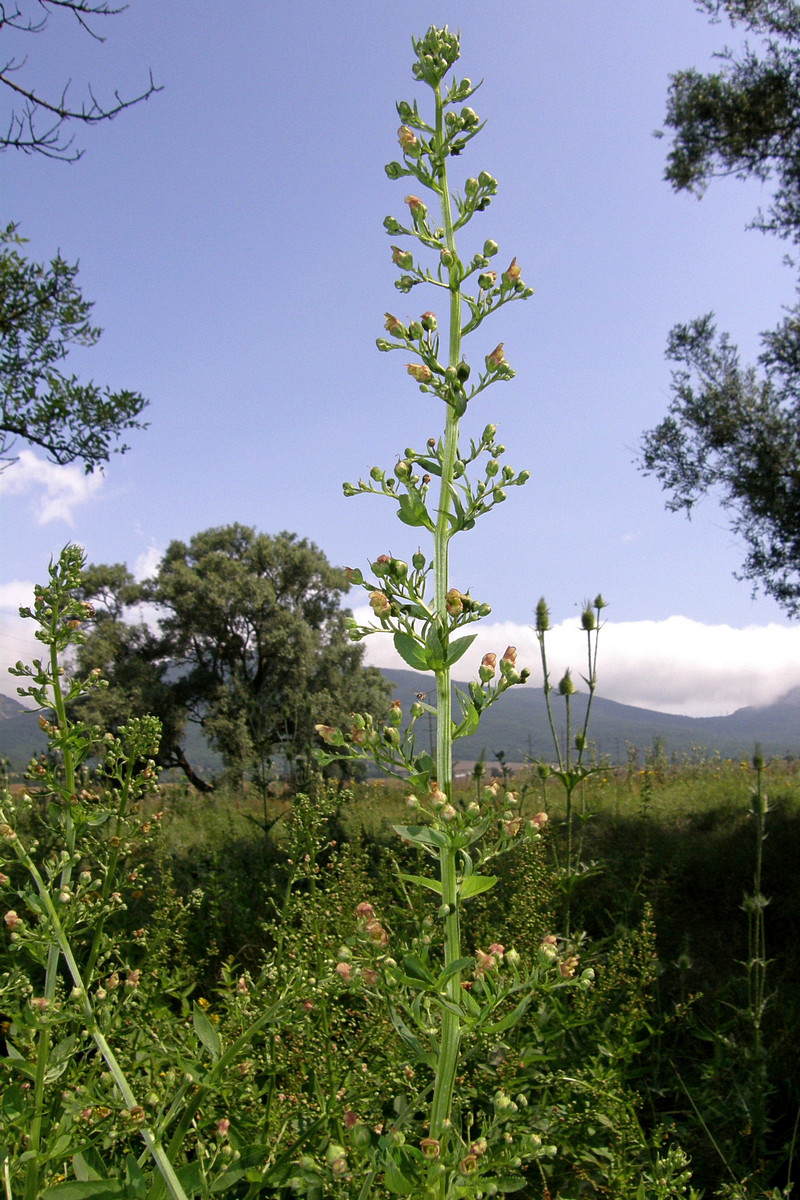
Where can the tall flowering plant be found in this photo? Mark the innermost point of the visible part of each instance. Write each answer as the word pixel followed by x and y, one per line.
pixel 441 998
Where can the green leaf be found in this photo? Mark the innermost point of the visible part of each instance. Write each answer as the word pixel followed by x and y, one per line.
pixel 206 1032
pixel 414 967
pixel 460 964
pixel 435 648
pixel 421 835
pixel 412 511
pixel 459 647
pixel 395 1180
pixel 77 1190
pixel 423 881
pixel 411 652
pixel 511 1019
pixel 135 1178
pixel 475 884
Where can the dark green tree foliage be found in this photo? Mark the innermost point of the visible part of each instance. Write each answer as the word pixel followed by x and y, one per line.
pixel 734 430
pixel 42 316
pixel 252 646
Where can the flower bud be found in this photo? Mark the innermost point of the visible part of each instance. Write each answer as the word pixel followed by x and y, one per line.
pixel 420 371
pixel 418 561
pixel 487 280
pixel 566 687
pixel 403 259
pixel 488 667
pixel 395 170
pixel 490 248
pixel 394 327
pixel 379 603
pixel 407 139
pixel 494 359
pixel 542 616
pixel 430 1148
pixel 588 621
pixel 454 602
pixel 418 209
pixel 428 321
pixel 463 371
pixel 512 273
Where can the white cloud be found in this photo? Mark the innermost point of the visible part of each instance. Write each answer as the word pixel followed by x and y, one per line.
pixel 676 665
pixel 148 563
pixel 54 491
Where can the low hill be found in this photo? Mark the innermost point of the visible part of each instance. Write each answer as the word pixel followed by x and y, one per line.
pixel 517 725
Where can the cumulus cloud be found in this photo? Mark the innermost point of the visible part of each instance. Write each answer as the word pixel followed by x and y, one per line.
pixel 675 666
pixel 54 492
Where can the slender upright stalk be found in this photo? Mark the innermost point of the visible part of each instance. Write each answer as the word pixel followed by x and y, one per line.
pixel 451 1031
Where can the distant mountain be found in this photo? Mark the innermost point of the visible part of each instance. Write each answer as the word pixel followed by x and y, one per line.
pixel 518 726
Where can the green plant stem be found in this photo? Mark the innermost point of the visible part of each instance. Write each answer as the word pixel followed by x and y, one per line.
pixel 451 1023
pixel 51 968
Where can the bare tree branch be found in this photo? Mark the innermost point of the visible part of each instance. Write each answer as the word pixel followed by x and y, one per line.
pixel 25 130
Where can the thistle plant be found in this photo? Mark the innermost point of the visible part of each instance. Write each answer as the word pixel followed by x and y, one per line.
pixel 571 768
pixel 438 1006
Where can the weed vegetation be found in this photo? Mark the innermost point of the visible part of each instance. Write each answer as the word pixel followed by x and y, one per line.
pixel 571 982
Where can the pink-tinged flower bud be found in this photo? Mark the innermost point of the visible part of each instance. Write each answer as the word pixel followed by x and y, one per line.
pixel 241 986
pixel 494 359
pixel 487 280
pixel 509 661
pixel 420 371
pixel 12 920
pixel 329 735
pixel 376 932
pixel 379 603
pixel 134 978
pixel 407 138
pixel 568 967
pixel 513 273
pixel 468 1165
pixel 364 909
pixel 394 327
pixel 497 950
pixel 40 1003
pixel 511 828
pixel 418 210
pixel 112 981
pixel 403 259
pixel 353 576
pixel 484 962
pixel 540 820
pixel 222 1127
pixel 430 1148
pixel 436 795
pixel 428 321
pixel 448 813
pixel 343 969
pixel 454 602
pixel 488 667
pixel 549 946
pixel 480 1147
pixel 370 976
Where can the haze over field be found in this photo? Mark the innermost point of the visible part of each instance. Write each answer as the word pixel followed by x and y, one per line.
pixel 230 233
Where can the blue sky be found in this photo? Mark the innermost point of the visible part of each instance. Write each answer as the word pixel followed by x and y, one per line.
pixel 230 234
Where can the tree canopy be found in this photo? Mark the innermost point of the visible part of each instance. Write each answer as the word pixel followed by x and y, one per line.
pixel 734 430
pixel 42 316
pixel 251 645
pixel 42 121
